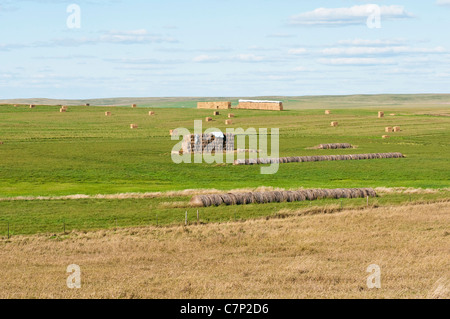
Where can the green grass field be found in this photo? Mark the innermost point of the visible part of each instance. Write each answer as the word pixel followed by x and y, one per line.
pixel 47 153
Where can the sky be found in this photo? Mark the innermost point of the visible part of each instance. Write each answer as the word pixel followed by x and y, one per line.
pixel 221 48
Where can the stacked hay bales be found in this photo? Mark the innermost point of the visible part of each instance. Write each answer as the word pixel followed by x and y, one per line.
pixel 151 113
pixel 230 116
pixel 63 109
pixel 388 129
pixel 228 122
pixel 380 115
pixel 214 105
pixel 107 113
pixel 133 126
pixel 208 119
pixel 397 129
pixel 334 146
pixel 279 196
pixel 321 158
pixel 327 112
pixel 207 143
pixel 260 105
pixel 334 124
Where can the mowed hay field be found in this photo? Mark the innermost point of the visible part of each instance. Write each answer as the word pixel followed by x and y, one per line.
pixel 82 151
pixel 293 256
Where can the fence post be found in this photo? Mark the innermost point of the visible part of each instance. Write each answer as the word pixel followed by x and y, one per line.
pixel 8 230
pixel 198 217
pixel 185 219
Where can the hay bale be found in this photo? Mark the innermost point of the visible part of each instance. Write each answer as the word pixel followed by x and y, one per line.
pixel 107 113
pixel 87 104
pixel 151 113
pixel 380 115
pixel 327 112
pixel 397 129
pixel 385 136
pixel 62 110
pixel 1 143
pixel 133 126
pixel 216 113
pixel 133 105
pixel 32 106
pixel 388 129
pixel 230 115
pixel 392 114
pixel 334 124
pixel 228 122
pixel 208 119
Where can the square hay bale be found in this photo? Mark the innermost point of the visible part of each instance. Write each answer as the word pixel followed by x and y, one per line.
pixel 208 119
pixel 32 106
pixel 380 115
pixel 87 104
pixel 133 105
pixel 388 129
pixel 108 113
pixel 230 116
pixel 334 124
pixel 64 107
pixel 151 113
pixel 216 113
pixel 385 136
pixel 397 129
pixel 228 122
pixel 133 126
pixel 62 110
pixel 214 105
pixel 327 112
pixel 392 114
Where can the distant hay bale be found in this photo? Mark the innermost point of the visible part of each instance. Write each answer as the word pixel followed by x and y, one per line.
pixel 303 159
pixel 334 124
pixel 228 122
pixel 216 113
pixel 243 198
pixel 397 129
pixel 260 105
pixel 151 113
pixel 208 119
pixel 32 106
pixel 334 146
pixel 388 129
pixel 15 105
pixel 380 115
pixel 133 105
pixel 62 110
pixel 214 105
pixel 64 107
pixel 385 136
pixel 1 143
pixel 87 104
pixel 327 112
pixel 230 116
pixel 133 126
pixel 392 114
pixel 108 113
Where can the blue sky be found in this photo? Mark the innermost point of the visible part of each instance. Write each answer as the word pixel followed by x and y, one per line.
pixel 222 48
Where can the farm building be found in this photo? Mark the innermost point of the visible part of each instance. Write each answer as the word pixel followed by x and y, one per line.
pixel 214 105
pixel 260 105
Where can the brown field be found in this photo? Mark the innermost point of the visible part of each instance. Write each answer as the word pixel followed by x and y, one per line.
pixel 293 256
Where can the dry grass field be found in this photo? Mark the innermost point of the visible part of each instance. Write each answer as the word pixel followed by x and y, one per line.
pixel 292 256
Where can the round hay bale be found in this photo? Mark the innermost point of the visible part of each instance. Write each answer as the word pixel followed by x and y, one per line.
pixel 226 199
pixel 233 198
pixel 257 198
pixel 197 201
pixel 216 200
pixel 301 195
pixel 278 196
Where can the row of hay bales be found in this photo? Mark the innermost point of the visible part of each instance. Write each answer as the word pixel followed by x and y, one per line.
pixel 279 196
pixel 300 159
pixel 334 146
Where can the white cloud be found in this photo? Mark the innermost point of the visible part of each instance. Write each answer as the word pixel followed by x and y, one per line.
pixel 348 16
pixel 366 42
pixel 297 51
pixel 248 58
pixel 381 50
pixel 206 59
pixel 443 2
pixel 357 61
